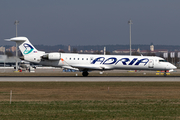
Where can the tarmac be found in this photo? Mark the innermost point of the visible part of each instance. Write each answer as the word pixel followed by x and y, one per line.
pixel 89 79
pixel 75 78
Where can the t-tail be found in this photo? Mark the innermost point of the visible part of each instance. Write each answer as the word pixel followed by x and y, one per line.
pixel 24 45
pixel 26 48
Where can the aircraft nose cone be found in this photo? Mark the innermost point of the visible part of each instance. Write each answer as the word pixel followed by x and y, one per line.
pixel 174 67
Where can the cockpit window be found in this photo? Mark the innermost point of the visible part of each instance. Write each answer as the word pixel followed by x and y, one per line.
pixel 162 61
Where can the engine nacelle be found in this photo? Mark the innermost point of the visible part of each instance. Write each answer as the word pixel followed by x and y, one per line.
pixel 52 56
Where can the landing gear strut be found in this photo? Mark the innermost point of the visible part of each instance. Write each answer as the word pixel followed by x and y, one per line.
pixel 85 73
pixel 165 73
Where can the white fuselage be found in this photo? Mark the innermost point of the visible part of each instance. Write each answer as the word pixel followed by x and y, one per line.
pixel 104 62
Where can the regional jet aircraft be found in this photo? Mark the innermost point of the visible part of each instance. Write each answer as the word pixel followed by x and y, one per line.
pixel 90 62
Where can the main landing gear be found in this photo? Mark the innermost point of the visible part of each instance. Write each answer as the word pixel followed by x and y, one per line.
pixel 85 73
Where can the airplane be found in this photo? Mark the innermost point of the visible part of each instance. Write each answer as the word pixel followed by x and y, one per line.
pixel 89 62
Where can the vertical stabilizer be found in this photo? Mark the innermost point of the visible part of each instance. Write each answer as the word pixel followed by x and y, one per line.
pixel 24 45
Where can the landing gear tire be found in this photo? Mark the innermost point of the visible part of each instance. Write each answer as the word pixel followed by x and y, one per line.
pixel 165 73
pixel 85 73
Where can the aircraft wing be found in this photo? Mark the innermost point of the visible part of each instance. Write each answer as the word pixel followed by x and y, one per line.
pixel 69 67
pixel 92 67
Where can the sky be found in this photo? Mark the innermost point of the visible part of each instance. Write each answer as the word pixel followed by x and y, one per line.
pixel 91 22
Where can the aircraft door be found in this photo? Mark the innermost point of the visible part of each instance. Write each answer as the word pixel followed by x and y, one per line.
pixel 151 63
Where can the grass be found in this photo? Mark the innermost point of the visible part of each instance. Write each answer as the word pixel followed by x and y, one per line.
pixel 78 109
pixel 90 100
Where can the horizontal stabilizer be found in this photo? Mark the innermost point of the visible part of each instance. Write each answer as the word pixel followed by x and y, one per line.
pixel 17 39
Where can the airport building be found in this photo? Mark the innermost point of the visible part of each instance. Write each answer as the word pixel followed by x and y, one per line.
pixel 12 49
pixel 2 49
pixel 150 51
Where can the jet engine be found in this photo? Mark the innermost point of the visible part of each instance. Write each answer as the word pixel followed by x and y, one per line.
pixel 52 56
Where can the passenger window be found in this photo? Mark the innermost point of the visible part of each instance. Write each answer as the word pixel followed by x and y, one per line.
pixel 78 58
pixel 74 58
pixel 86 58
pixel 69 58
pixel 82 58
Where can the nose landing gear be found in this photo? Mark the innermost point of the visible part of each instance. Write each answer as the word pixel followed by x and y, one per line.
pixel 165 73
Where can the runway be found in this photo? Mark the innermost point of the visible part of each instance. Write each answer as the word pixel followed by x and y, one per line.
pixel 89 79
